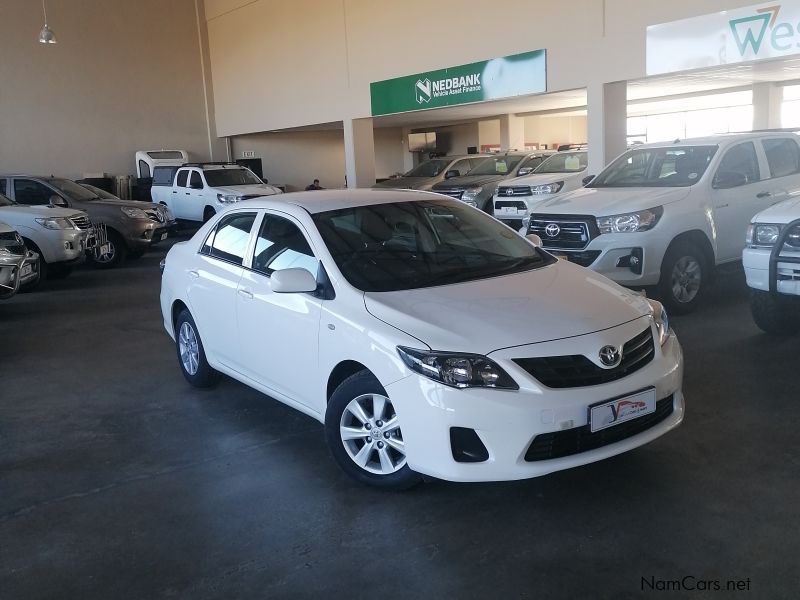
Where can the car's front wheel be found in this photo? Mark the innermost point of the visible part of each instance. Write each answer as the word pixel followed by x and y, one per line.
pixel 116 251
pixel 364 434
pixel 685 274
pixel 775 314
pixel 191 354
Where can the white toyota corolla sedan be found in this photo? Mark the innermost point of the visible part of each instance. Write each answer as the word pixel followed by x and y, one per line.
pixel 428 337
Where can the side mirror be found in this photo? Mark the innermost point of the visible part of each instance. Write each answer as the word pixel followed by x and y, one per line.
pixel 534 239
pixel 524 171
pixel 587 180
pixel 293 281
pixel 729 179
pixel 56 200
pixel 452 173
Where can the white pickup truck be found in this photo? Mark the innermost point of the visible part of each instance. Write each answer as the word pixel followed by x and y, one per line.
pixel 772 266
pixel 197 191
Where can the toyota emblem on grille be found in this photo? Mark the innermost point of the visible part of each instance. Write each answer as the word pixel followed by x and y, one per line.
pixel 552 230
pixel 609 356
pixel 509 191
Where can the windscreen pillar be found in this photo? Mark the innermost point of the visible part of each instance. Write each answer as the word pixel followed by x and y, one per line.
pixel 607 123
pixel 767 103
pixel 512 132
pixel 359 153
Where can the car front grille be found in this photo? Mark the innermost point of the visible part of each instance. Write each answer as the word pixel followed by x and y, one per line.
pixel 513 190
pixel 558 444
pixel 81 222
pixel 251 196
pixel 578 371
pixel 793 237
pixel 565 232
pixel 452 193
pixel 11 241
pixel 518 204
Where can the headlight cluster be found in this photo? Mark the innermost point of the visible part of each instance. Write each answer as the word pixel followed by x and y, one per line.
pixel 134 213
pixel 56 223
pixel 228 198
pixel 766 234
pixel 548 188
pixel 457 370
pixel 630 222
pixel 661 319
pixel 168 214
pixel 470 194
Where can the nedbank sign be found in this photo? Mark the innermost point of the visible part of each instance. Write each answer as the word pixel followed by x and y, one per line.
pixel 753 33
pixel 505 77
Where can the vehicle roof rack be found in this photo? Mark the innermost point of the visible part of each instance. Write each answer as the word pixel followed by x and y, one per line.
pixel 210 164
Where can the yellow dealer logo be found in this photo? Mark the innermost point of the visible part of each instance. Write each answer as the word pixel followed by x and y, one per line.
pixel 423 90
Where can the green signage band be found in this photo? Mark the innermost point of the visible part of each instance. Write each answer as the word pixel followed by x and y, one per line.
pixel 516 75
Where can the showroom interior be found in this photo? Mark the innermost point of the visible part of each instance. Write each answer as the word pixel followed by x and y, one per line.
pixel 128 472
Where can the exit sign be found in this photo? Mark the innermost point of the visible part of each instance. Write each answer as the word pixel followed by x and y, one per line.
pixel 248 154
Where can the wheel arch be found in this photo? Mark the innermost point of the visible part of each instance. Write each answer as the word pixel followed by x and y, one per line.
pixel 342 371
pixel 177 307
pixel 699 239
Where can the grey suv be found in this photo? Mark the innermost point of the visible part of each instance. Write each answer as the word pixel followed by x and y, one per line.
pixel 131 227
pixel 427 174
pixel 478 186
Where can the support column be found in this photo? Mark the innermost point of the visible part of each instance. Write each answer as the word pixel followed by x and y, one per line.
pixel 767 101
pixel 408 157
pixel 359 153
pixel 512 132
pixel 607 123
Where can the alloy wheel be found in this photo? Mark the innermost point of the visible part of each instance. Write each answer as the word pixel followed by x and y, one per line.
pixel 188 348
pixel 686 279
pixel 370 432
pixel 108 256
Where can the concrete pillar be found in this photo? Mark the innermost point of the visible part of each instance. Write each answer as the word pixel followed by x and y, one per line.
pixel 607 123
pixel 767 101
pixel 512 132
pixel 408 157
pixel 359 153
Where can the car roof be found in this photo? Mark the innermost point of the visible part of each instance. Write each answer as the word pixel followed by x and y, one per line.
pixel 317 201
pixel 716 140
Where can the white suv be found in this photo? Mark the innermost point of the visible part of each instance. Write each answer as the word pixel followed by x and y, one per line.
pixel 772 266
pixel 665 214
pixel 559 174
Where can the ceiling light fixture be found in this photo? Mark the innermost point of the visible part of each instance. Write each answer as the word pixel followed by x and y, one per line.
pixel 46 35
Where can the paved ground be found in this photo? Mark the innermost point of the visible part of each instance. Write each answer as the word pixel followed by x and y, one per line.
pixel 117 480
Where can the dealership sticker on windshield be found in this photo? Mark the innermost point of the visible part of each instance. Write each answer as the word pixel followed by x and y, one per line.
pixel 614 412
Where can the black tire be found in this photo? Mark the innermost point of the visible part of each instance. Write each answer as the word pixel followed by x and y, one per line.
pixel 360 384
pixel 775 314
pixel 208 213
pixel 118 250
pixel 204 376
pixel 680 254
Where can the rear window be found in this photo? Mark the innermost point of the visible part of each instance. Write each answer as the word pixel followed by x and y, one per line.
pixel 164 175
pixel 165 154
pixel 228 240
pixel 783 156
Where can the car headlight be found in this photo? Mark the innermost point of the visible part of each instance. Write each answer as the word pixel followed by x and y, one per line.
pixel 56 223
pixel 662 320
pixel 762 234
pixel 630 222
pixel 470 194
pixel 548 188
pixel 228 198
pixel 457 370
pixel 134 213
pixel 168 214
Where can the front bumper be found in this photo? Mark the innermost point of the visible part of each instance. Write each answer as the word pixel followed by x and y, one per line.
pixel 756 270
pixel 69 247
pixel 508 421
pixel 148 234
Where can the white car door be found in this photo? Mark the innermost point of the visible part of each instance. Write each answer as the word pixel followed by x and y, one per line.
pixel 736 195
pixel 783 159
pixel 197 196
pixel 279 333
pixel 214 281
pixel 179 199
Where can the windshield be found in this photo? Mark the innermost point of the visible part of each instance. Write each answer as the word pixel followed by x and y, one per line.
pixel 564 162
pixel 674 166
pixel 430 168
pixel 408 245
pixel 6 201
pixel 223 177
pixel 72 189
pixel 499 165
pixel 99 192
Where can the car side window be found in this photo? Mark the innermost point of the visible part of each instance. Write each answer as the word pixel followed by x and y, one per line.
pixel 281 245
pixel 228 240
pixel 740 161
pixel 196 182
pixel 144 169
pixel 531 163
pixel 462 166
pixel 183 175
pixel 783 156
pixel 31 192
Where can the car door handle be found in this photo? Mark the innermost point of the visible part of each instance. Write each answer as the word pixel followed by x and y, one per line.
pixel 188 194
pixel 246 294
pixel 194 274
pixel 763 195
pixel 174 192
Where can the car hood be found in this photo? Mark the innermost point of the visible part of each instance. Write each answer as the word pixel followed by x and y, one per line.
pixel 601 202
pixel 468 181
pixel 404 183
pixel 782 212
pixel 248 190
pixel 554 302
pixel 40 211
pixel 543 178
pixel 118 203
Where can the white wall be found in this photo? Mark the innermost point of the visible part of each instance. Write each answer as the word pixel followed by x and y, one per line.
pixel 389 150
pixel 124 76
pixel 552 130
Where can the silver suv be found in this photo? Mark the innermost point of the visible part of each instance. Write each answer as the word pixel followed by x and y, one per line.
pixel 427 174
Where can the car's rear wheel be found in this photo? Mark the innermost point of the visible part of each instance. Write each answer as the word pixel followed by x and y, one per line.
pixel 685 274
pixel 364 434
pixel 191 354
pixel 775 314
